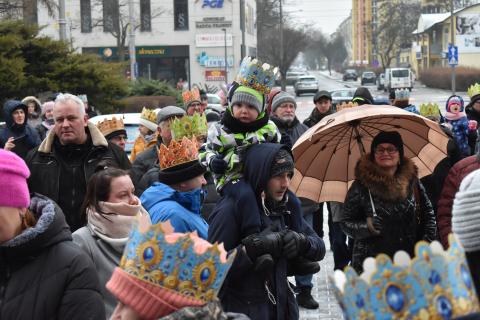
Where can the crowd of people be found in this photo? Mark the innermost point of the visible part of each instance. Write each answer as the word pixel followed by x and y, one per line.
pixel 199 222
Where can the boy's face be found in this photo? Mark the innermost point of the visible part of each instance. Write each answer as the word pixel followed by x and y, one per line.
pixel 323 104
pixel 245 113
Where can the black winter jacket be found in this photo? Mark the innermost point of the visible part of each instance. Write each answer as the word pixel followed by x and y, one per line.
pixel 44 275
pixel 145 161
pixel 315 117
pixel 395 204
pixel 235 217
pixel 295 129
pixel 47 164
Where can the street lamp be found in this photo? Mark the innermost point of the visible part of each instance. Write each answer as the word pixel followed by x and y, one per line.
pixel 225 41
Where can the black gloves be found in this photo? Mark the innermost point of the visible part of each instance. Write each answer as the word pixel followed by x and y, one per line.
pixel 295 244
pixel 286 140
pixel 259 244
pixel 218 165
pixel 375 224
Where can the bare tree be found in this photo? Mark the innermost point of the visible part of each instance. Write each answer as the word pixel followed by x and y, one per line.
pixel 25 9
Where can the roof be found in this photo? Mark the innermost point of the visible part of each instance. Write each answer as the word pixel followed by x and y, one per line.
pixel 428 20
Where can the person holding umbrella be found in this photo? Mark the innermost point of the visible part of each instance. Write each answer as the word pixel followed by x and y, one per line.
pixel 386 208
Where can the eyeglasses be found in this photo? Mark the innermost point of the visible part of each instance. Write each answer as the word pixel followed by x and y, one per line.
pixel 389 150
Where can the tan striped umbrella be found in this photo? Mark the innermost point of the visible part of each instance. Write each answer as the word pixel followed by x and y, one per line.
pixel 326 155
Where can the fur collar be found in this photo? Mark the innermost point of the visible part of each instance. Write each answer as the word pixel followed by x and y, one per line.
pixel 98 139
pixel 382 186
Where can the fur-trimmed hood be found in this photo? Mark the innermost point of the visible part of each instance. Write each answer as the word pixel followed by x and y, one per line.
pixel 97 139
pixel 387 188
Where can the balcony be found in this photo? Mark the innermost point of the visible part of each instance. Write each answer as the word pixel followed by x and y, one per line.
pixel 436 49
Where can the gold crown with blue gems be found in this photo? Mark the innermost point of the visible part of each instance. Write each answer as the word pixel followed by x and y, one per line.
pixel 183 263
pixel 256 75
pixel 436 284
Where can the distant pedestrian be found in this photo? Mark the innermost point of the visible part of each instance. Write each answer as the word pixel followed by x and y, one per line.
pixel 402 100
pixel 386 208
pixel 192 101
pixel 17 136
pixel 114 131
pixel 47 120
pixel 34 110
pixel 43 274
pixel 362 96
pixel 323 108
pixel 148 133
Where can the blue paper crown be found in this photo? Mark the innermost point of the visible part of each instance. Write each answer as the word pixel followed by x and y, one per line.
pixel 176 266
pixel 402 94
pixel 256 75
pixel 434 285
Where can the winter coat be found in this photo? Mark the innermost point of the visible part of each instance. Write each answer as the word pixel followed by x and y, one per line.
pixel 315 117
pixel 44 275
pixel 52 169
pixel 34 119
pixel 181 208
pixel 105 257
pixel 232 146
pixel 464 137
pixel 143 162
pixel 472 114
pixel 411 108
pixel 43 129
pixel 450 187
pixel 294 129
pixel 235 217
pixel 140 145
pixel 26 138
pixel 395 203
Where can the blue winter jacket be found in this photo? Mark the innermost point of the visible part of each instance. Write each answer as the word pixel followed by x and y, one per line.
pixel 239 214
pixel 181 208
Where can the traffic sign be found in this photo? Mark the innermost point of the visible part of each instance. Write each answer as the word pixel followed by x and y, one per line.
pixel 452 55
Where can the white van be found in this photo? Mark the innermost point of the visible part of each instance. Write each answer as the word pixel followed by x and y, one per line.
pixel 398 78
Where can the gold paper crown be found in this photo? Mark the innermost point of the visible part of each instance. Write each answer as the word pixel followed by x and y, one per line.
pixel 149 115
pixel 108 126
pixel 178 152
pixel 189 126
pixel 436 284
pixel 181 262
pixel 474 90
pixel 190 96
pixel 346 105
pixel 430 110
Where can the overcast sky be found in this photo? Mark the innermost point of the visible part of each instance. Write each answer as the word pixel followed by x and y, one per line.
pixel 323 14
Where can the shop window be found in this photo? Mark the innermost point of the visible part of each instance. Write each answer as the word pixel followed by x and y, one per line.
pixel 111 14
pixel 180 13
pixel 85 16
pixel 145 16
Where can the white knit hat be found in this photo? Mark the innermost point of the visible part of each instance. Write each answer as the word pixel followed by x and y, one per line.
pixel 466 212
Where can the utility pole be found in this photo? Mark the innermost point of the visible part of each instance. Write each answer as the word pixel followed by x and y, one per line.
pixel 131 41
pixel 284 80
pixel 452 40
pixel 62 22
pixel 225 41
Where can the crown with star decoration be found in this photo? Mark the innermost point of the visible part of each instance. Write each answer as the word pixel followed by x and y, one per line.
pixel 181 262
pixel 189 126
pixel 430 110
pixel 190 96
pixel 402 94
pixel 436 284
pixel 256 75
pixel 109 126
pixel 473 90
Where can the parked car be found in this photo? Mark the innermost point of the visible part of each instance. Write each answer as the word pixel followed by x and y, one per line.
pixel 381 81
pixel 306 84
pixel 341 95
pixel 292 76
pixel 350 74
pixel 368 77
pixel 131 122
pixel 398 78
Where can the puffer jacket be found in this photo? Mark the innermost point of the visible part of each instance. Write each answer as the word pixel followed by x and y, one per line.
pixel 450 187
pixel 44 275
pixel 395 203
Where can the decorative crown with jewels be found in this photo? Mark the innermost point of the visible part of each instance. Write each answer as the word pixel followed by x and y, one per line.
pixel 149 115
pixel 402 94
pixel 190 96
pixel 430 110
pixel 183 263
pixel 256 75
pixel 108 126
pixel 346 105
pixel 436 284
pixel 189 126
pixel 474 90
pixel 178 152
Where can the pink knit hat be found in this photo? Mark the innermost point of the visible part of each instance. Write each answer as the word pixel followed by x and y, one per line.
pixel 13 181
pixel 47 106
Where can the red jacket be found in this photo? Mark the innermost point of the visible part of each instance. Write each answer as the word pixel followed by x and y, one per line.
pixel 450 188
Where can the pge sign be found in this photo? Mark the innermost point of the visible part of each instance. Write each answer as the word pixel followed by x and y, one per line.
pixel 212 3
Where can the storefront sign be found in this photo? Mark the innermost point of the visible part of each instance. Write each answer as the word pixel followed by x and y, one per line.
pixel 213 40
pixel 211 3
pixel 111 53
pixel 214 61
pixel 215 75
pixel 213 25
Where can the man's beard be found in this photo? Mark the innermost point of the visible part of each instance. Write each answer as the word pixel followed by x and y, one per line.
pixel 287 120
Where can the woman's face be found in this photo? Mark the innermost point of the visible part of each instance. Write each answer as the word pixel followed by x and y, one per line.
pixel 49 114
pixel 124 312
pixel 143 130
pixel 122 190
pixel 387 156
pixel 10 223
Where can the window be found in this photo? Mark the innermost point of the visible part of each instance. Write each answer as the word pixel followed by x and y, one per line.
pixel 145 16
pixel 180 13
pixel 111 14
pixel 85 16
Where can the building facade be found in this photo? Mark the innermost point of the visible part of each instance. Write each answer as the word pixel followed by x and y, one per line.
pixel 362 30
pixel 345 30
pixel 187 39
